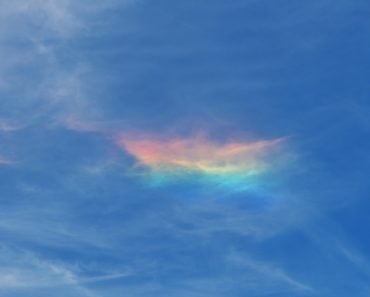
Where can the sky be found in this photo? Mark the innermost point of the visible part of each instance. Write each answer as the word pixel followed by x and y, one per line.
pixel 184 148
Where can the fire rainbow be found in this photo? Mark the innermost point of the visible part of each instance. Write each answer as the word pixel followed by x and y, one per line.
pixel 235 165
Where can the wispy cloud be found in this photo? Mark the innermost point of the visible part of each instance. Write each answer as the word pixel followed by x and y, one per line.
pixel 58 17
pixel 26 271
pixel 7 125
pixel 45 84
pixel 234 164
pixel 268 278
pixel 5 161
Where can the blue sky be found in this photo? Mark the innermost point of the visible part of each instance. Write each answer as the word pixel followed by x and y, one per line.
pixel 83 81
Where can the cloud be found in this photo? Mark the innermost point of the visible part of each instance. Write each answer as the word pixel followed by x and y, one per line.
pixel 228 162
pixel 24 271
pixel 58 17
pixel 233 161
pixel 270 279
pixel 37 84
pixel 30 33
pixel 5 161
pixel 7 125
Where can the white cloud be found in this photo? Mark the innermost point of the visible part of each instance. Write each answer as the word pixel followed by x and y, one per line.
pixel 266 277
pixel 34 75
pixel 56 16
pixel 25 271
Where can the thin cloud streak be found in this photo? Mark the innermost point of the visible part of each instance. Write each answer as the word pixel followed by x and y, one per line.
pixel 10 126
pixel 270 272
pixel 5 161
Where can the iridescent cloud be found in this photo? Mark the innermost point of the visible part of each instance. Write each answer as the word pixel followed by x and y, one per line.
pixel 237 165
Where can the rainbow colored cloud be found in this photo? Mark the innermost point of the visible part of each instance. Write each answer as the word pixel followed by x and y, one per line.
pixel 234 165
